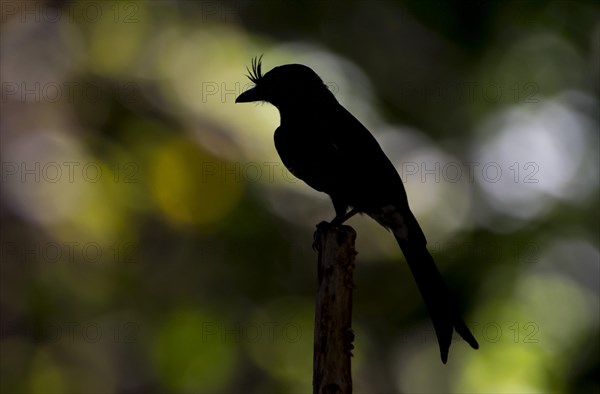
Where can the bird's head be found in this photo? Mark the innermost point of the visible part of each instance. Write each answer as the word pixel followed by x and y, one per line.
pixel 284 85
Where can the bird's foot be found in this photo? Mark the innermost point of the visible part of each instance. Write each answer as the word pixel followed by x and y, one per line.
pixel 337 221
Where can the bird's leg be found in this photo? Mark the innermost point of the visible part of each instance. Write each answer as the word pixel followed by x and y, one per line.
pixel 338 220
pixel 340 207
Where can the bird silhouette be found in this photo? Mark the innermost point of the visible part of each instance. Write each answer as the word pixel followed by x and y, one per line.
pixel 324 145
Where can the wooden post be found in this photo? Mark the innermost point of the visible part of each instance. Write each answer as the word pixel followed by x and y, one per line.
pixel 333 313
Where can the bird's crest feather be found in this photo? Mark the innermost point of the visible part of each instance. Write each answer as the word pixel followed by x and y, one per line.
pixel 255 75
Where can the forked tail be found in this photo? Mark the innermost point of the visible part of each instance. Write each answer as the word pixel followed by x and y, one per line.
pixel 438 299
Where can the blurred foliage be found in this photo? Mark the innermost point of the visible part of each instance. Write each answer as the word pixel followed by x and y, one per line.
pixel 152 241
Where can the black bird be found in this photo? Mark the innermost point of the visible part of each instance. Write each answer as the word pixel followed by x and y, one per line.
pixel 320 142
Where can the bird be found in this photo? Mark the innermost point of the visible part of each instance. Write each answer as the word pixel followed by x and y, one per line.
pixel 324 145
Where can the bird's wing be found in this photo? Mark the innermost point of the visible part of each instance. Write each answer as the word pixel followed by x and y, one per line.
pixel 334 153
pixel 368 168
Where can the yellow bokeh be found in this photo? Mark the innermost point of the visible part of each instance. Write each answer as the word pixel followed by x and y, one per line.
pixel 192 186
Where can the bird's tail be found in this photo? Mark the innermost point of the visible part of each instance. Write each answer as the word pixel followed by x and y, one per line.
pixel 434 291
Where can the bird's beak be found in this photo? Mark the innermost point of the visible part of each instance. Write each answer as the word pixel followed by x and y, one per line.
pixel 250 95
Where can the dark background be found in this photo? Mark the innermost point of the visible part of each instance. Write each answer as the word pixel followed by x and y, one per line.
pixel 153 242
